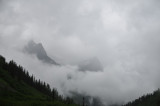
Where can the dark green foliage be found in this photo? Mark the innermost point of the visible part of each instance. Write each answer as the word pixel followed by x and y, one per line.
pixel 147 100
pixel 86 100
pixel 18 88
pixel 83 101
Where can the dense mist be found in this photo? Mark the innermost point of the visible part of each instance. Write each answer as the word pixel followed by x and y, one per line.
pixel 123 37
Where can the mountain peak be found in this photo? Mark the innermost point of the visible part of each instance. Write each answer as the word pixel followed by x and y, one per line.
pixel 39 51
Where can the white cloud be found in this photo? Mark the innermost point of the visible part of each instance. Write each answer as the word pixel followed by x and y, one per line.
pixel 124 35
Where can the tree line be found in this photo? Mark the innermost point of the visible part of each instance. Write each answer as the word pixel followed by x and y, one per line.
pixel 18 72
pixel 152 99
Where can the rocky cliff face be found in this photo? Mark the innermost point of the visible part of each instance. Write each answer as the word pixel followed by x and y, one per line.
pixel 39 51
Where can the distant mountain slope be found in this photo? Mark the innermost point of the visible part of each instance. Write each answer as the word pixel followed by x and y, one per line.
pixel 92 64
pixel 147 100
pixel 18 88
pixel 39 51
pixel 89 100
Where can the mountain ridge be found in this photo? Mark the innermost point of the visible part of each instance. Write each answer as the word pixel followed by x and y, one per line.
pixel 39 51
pixel 19 88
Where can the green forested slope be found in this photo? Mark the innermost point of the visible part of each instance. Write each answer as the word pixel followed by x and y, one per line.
pixel 21 89
pixel 147 100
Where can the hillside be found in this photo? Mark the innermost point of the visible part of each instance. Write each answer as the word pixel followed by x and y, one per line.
pixel 147 100
pixel 18 88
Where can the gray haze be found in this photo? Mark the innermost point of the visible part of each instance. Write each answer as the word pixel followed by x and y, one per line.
pixel 92 64
pixel 122 34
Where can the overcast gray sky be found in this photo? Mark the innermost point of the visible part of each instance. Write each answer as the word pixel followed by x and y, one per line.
pixel 122 34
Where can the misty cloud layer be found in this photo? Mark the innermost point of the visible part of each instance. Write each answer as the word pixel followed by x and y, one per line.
pixel 122 34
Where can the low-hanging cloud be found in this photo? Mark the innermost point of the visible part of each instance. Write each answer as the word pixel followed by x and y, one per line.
pixel 124 36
